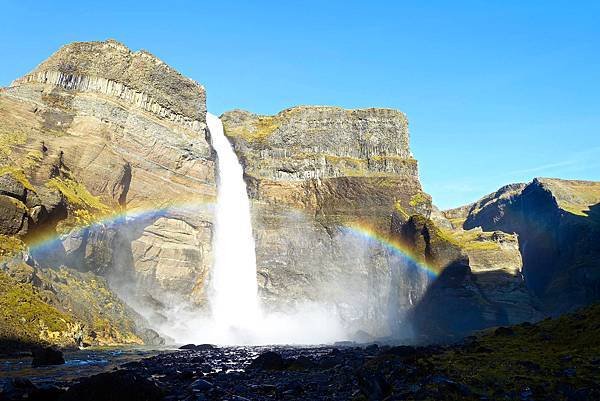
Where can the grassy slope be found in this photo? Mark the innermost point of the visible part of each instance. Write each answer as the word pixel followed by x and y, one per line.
pixel 25 316
pixel 557 359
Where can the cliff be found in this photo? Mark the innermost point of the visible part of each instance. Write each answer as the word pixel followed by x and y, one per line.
pixel 107 179
pixel 105 168
pixel 319 179
pixel 557 224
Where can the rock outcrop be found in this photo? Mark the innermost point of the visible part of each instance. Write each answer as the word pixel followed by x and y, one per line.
pixel 319 179
pixel 107 177
pixel 557 225
pixel 99 132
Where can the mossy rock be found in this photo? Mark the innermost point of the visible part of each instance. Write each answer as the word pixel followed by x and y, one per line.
pixel 24 316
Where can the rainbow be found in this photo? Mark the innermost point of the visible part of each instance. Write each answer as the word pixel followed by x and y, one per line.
pixel 371 234
pixel 49 240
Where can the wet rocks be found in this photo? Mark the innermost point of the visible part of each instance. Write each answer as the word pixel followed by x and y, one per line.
pixel 268 361
pixel 194 347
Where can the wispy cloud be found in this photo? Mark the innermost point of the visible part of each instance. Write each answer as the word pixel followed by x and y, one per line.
pixel 577 161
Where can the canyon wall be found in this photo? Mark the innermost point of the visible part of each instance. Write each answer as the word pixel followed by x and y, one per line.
pixel 105 130
pixel 319 179
pixel 557 225
pixel 107 179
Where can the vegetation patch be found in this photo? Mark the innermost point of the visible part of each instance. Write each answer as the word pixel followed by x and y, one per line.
pixel 24 316
pixel 84 207
pixel 18 175
pixel 10 139
pixel 469 239
pixel 10 246
pixel 260 129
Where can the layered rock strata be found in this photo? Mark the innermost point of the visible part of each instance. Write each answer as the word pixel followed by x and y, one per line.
pixel 115 132
pixel 320 178
pixel 557 225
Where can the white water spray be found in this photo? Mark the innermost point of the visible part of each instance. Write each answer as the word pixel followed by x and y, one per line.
pixel 234 300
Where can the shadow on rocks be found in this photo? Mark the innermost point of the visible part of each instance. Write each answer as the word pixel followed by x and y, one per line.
pixel 114 386
pixel 44 356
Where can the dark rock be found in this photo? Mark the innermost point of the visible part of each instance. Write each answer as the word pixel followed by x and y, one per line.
pixel 44 356
pixel 504 331
pixel 401 351
pixel 12 187
pixel 47 392
pixel 374 386
pixel 268 361
pixel 194 347
pixel 54 203
pixel 371 348
pixel 201 385
pixel 13 216
pixel 113 386
pixel 301 363
pixel 16 389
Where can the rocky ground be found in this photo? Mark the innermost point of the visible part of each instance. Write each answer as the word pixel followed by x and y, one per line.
pixel 557 359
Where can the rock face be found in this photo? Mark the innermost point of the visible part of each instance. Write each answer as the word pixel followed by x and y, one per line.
pixel 557 225
pixel 106 168
pixel 110 130
pixel 317 176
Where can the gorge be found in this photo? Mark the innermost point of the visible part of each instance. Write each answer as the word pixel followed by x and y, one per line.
pixel 131 216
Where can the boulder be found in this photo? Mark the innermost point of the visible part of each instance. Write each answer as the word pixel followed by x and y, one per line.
pixel 12 187
pixel 14 219
pixel 111 386
pixel 44 356
pixel 269 360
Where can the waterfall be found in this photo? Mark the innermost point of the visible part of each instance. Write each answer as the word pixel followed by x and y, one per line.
pixel 236 314
pixel 234 292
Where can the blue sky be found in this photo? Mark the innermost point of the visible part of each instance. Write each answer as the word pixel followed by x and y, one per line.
pixel 495 91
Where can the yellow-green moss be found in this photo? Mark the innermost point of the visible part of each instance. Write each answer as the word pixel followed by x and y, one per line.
pixel 418 199
pixel 18 175
pixel 77 195
pixel 88 297
pixel 551 347
pixel 24 315
pixel 9 246
pixel 33 159
pixel 10 139
pixel 468 239
pixel 457 222
pixel 260 129
pixel 400 210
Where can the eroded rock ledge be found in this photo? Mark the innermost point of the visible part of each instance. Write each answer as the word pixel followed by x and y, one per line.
pixel 321 142
pixel 138 78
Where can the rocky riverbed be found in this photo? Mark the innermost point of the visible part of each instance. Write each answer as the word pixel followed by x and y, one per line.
pixel 556 359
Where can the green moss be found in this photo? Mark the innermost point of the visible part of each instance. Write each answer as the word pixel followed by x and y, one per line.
pixel 457 222
pixel 400 210
pixel 501 365
pixel 10 246
pixel 17 174
pixel 261 128
pixel 469 239
pixel 25 316
pixel 531 356
pixel 87 296
pixel 10 139
pixel 418 199
pixel 33 159
pixel 76 194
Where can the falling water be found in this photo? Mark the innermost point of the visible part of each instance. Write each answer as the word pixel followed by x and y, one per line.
pixel 234 298
pixel 236 314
